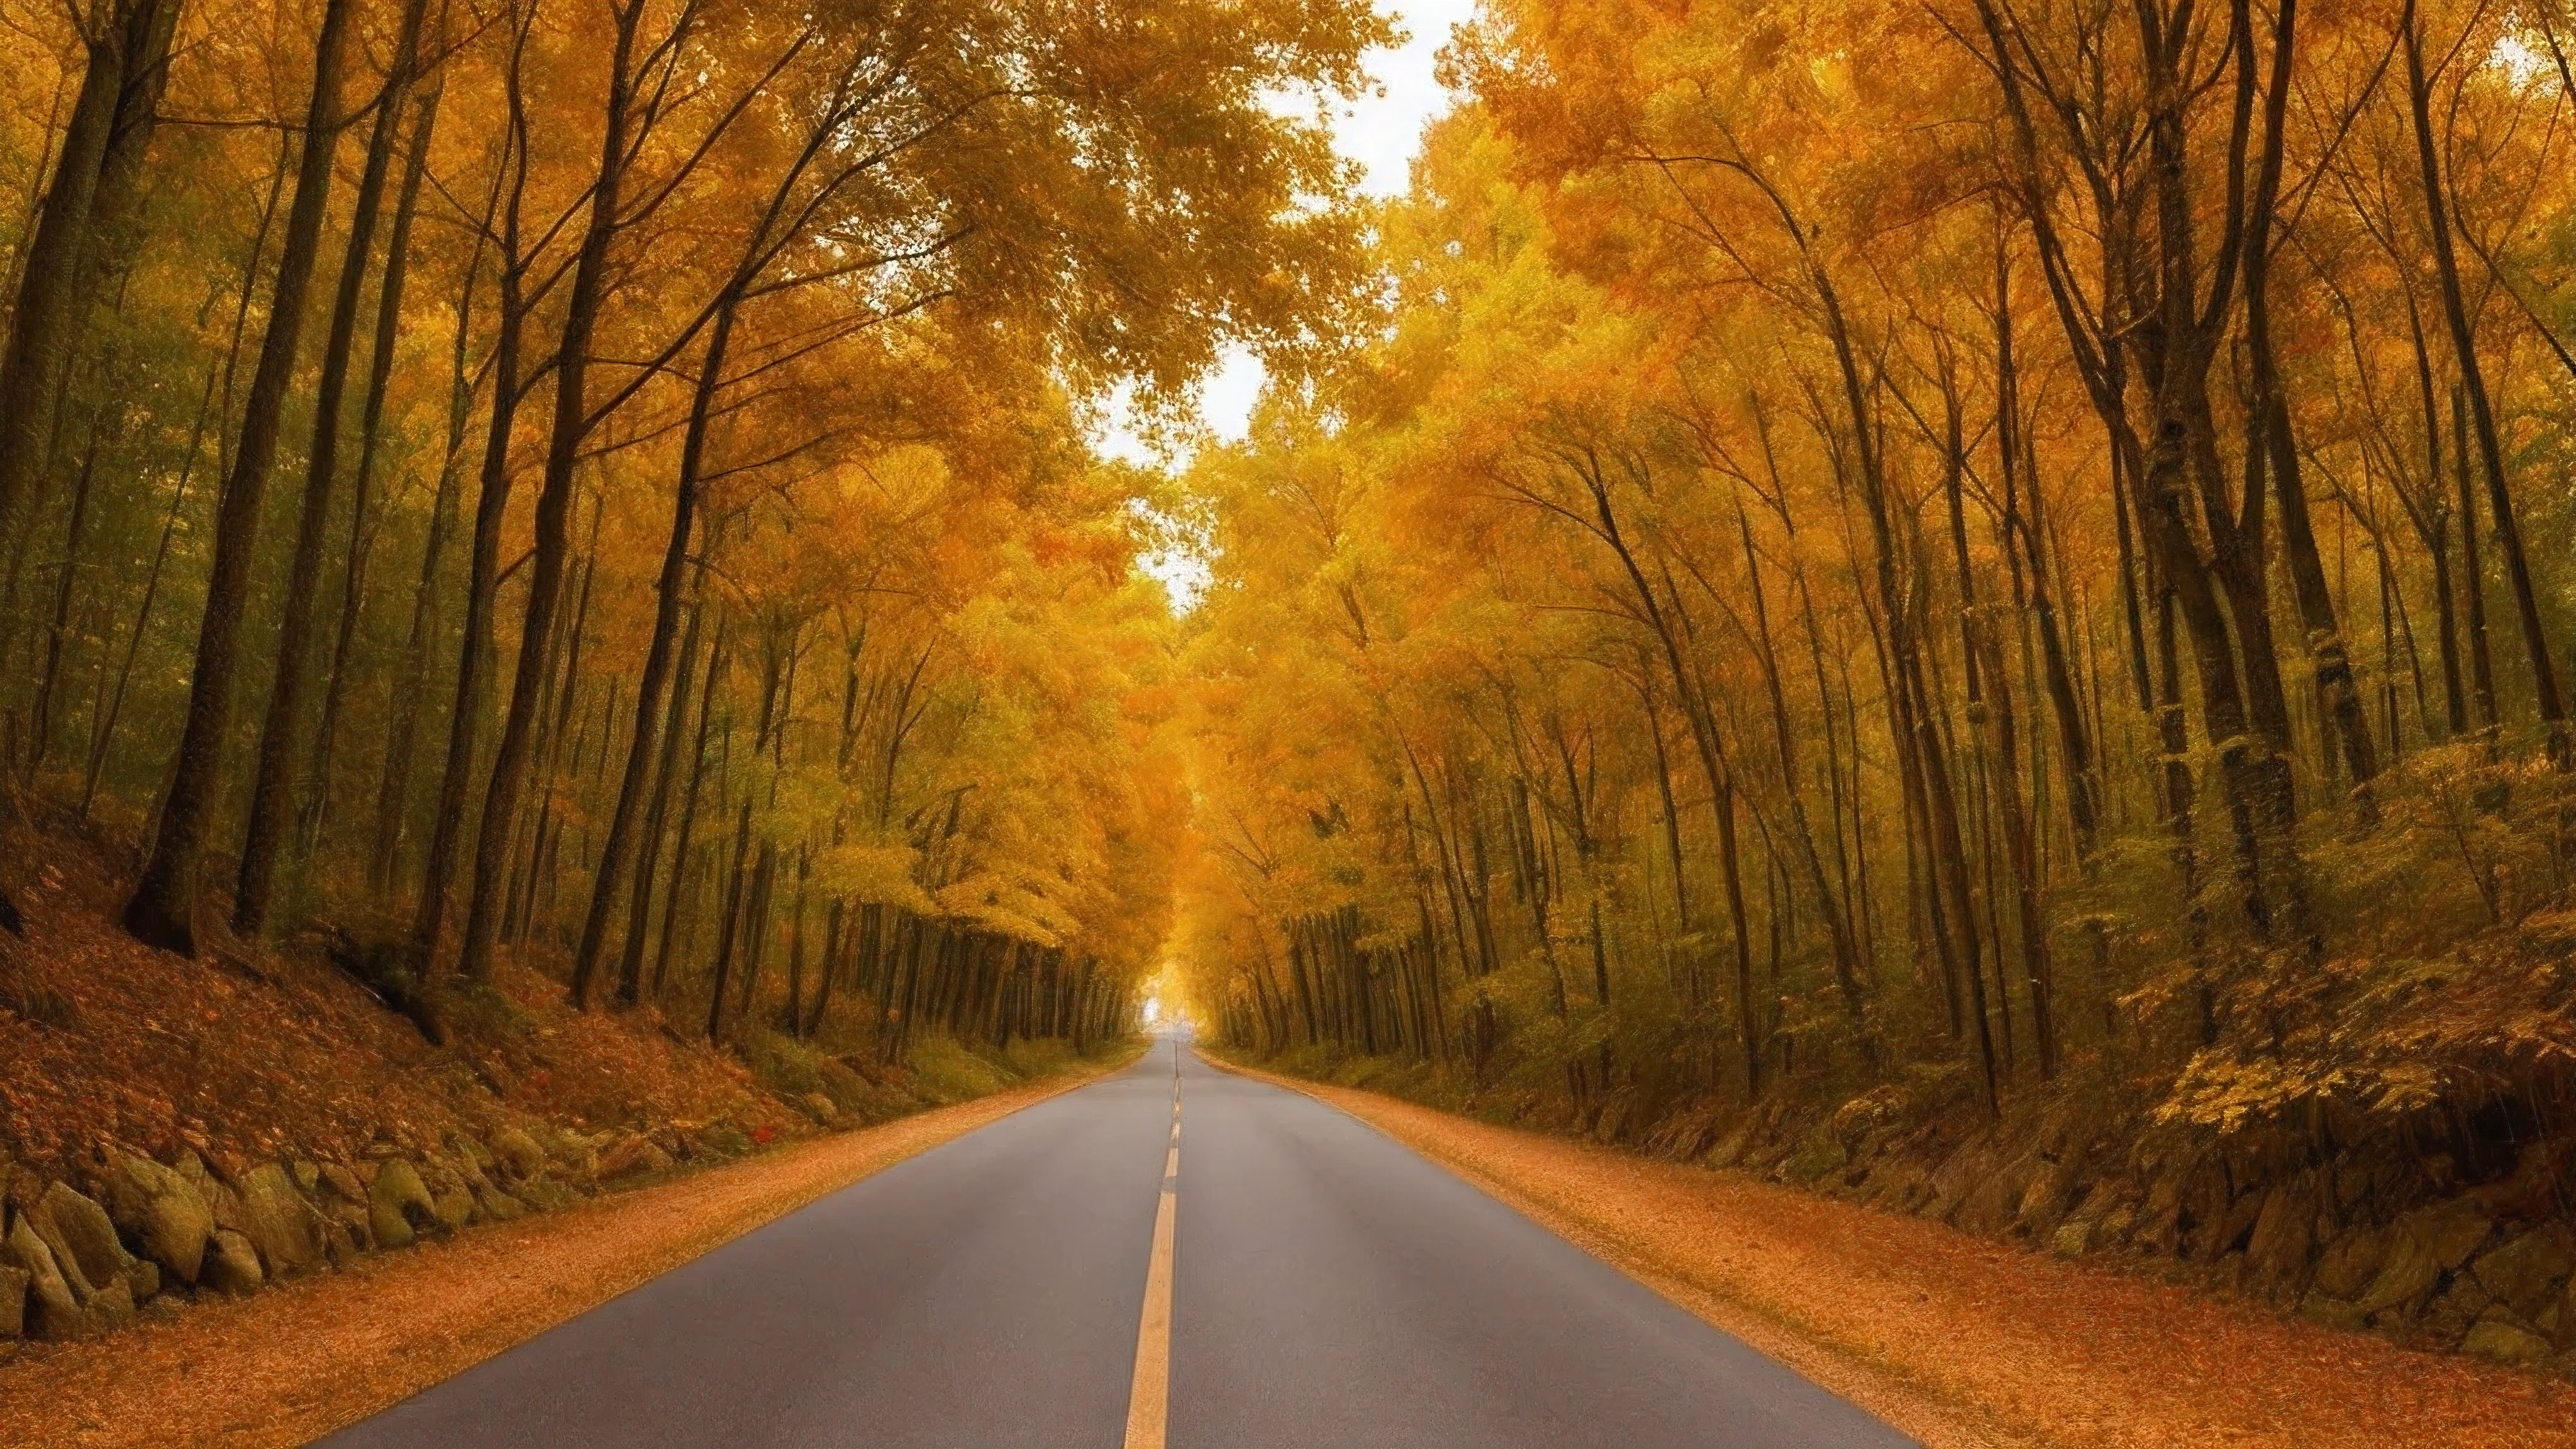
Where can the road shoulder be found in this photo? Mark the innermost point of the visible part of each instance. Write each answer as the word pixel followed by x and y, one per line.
pixel 1961 1341
pixel 286 1366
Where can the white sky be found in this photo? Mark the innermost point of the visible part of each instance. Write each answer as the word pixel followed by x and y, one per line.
pixel 1381 132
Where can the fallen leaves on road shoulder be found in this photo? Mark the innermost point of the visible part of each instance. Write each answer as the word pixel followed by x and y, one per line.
pixel 1964 1341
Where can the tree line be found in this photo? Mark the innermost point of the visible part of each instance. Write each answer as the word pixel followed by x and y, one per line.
pixel 1919 554
pixel 605 483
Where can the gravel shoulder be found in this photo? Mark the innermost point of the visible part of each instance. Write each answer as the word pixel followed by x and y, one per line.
pixel 288 1365
pixel 1964 1341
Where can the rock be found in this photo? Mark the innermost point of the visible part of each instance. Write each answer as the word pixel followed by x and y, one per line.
pixel 2447 1321
pixel 2409 1274
pixel 277 1220
pixel 340 1245
pixel 2162 1219
pixel 1958 1176
pixel 53 1309
pixel 111 1308
pixel 546 1195
pixel 2224 1229
pixel 1992 1202
pixel 2048 1199
pixel 232 1264
pixel 143 1280
pixel 518 1154
pixel 499 1206
pixel 2071 1238
pixel 307 1175
pixel 2498 1337
pixel 2423 1246
pixel 338 1181
pixel 455 1208
pixel 2351 1261
pixel 83 1240
pixel 2450 1232
pixel 576 1154
pixel 2525 1274
pixel 466 1168
pixel 2318 1307
pixel 846 1087
pixel 161 1209
pixel 2278 1250
pixel 820 1108
pixel 13 1303
pixel 630 1155
pixel 398 1205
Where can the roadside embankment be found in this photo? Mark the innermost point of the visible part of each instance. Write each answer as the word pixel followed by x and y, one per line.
pixel 286 1366
pixel 1964 1340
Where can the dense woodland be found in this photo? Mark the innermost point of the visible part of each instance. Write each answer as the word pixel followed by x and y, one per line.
pixel 1918 557
pixel 608 480
pixel 1884 554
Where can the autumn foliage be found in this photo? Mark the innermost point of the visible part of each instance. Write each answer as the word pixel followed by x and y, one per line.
pixel 610 481
pixel 1925 556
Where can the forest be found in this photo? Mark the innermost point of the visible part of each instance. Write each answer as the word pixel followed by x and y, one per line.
pixel 1830 566
pixel 1893 561
pixel 611 485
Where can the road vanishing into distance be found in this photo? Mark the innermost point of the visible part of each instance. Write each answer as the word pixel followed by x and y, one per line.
pixel 1060 1279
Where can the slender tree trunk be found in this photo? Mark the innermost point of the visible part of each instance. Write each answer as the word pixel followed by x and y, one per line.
pixel 491 507
pixel 2464 351
pixel 272 800
pixel 657 665
pixel 353 590
pixel 66 585
pixel 51 314
pixel 582 306
pixel 162 909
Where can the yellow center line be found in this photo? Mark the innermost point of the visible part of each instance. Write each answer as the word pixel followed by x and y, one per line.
pixel 1149 1392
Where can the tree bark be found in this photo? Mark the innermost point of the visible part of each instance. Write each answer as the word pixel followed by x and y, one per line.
pixel 657 665
pixel 582 306
pixel 272 799
pixel 161 911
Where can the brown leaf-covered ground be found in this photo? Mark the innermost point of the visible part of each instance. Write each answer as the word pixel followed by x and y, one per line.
pixel 1964 1341
pixel 276 1053
pixel 290 1364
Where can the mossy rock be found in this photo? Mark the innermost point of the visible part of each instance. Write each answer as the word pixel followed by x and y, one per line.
pixel 399 1207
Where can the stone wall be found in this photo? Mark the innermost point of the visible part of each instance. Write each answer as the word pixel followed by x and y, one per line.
pixel 2375 1238
pixel 139 1236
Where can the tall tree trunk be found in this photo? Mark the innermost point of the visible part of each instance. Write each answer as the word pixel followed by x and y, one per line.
pixel 272 800
pixel 657 664
pixel 353 585
pixel 54 300
pixel 630 971
pixel 412 680
pixel 162 909
pixel 66 586
pixel 2473 574
pixel 491 507
pixel 582 305
pixel 2464 351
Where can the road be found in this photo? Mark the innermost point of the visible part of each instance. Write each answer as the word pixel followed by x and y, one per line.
pixel 1316 1284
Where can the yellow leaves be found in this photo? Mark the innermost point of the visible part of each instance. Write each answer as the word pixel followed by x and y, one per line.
pixel 1009 907
pixel 874 874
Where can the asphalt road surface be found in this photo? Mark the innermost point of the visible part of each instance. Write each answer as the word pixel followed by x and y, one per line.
pixel 1322 1286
